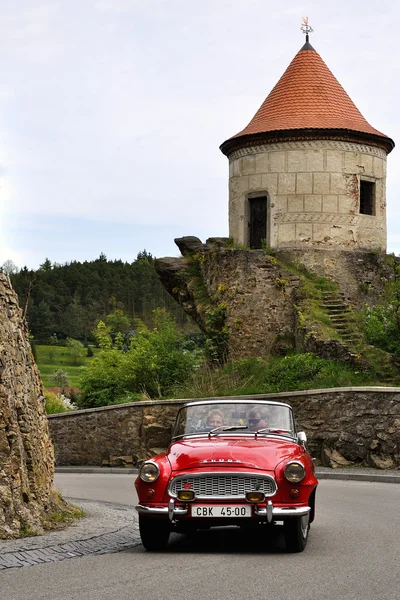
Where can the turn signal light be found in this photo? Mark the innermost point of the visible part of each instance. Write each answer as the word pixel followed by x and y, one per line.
pixel 185 495
pixel 150 493
pixel 294 493
pixel 255 497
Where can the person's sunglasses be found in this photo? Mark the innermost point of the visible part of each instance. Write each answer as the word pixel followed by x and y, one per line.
pixel 254 421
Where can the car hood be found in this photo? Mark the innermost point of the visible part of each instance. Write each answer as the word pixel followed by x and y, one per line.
pixel 245 452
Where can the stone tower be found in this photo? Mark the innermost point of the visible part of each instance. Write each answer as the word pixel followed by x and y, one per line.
pixel 308 171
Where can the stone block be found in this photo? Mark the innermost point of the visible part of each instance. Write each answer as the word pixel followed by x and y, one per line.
pixel 366 164
pixel 296 161
pixel 279 206
pixel 304 232
pixel 255 182
pixel 347 205
pixel 378 167
pixel 270 183
pixel 287 232
pixel 338 183
pixel 231 170
pixel 351 162
pixel 277 162
pixel 334 161
pixel 304 183
pixel 314 160
pixel 236 168
pixel 322 232
pixel 329 203
pixel 286 183
pixel 248 165
pixel 262 162
pixel 238 186
pixel 313 203
pixel 321 183
pixel 295 204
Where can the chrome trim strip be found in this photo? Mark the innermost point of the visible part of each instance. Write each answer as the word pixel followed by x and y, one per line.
pixel 237 401
pixel 163 510
pixel 278 512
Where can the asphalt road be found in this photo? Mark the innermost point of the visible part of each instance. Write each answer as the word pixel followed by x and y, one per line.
pixel 353 553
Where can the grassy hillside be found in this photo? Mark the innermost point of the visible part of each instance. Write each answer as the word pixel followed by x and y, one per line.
pixel 52 358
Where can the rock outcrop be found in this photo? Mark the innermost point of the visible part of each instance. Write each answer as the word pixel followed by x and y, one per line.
pixel 26 452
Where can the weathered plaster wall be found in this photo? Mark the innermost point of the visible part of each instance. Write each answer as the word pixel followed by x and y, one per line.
pixel 26 452
pixel 359 425
pixel 313 190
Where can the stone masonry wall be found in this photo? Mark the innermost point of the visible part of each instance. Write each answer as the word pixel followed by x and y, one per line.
pixel 259 296
pixel 360 275
pixel 26 452
pixel 313 191
pixel 343 426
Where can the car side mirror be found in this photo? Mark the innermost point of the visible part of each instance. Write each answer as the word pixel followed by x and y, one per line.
pixel 302 438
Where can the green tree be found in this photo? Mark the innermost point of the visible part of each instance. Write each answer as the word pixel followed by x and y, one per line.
pixel 119 341
pixel 117 321
pixel 76 350
pixel 102 336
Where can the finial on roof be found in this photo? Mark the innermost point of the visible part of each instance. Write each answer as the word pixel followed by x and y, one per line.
pixel 306 28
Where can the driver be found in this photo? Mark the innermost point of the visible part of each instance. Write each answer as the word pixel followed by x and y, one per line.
pixel 258 418
pixel 215 419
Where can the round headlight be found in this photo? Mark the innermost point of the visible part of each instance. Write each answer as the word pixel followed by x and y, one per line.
pixel 149 472
pixel 294 472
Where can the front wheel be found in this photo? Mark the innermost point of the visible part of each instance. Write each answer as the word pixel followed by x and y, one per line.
pixel 296 533
pixel 154 533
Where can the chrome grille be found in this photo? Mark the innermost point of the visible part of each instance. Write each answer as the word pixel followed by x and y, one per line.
pixel 218 486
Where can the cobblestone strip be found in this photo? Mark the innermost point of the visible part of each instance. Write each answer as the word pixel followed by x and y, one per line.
pixel 107 543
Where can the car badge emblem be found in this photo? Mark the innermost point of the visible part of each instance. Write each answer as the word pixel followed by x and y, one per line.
pixel 221 460
pixel 187 486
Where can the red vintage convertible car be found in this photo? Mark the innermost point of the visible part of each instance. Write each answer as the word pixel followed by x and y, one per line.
pixel 231 462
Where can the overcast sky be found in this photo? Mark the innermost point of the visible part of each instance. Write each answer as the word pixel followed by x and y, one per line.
pixel 112 112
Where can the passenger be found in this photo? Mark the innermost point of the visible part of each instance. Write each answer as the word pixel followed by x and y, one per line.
pixel 215 419
pixel 258 418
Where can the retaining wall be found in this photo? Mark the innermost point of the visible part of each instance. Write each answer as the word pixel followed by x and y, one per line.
pixel 344 426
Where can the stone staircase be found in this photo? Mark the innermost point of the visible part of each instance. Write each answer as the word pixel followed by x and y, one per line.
pixel 341 317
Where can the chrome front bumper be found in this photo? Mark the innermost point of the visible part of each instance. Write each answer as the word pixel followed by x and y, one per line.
pixel 271 512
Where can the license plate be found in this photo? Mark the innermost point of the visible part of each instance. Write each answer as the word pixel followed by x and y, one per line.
pixel 221 511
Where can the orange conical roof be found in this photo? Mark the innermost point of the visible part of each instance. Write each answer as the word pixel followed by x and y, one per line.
pixel 307 97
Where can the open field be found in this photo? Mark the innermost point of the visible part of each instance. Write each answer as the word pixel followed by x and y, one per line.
pixel 52 358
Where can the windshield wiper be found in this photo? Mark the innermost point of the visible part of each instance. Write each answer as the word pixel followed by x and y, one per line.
pixel 226 428
pixel 273 430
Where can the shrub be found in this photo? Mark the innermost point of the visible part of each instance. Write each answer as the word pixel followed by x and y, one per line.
pixel 55 403
pixel 293 370
pixel 381 328
pixel 60 378
pixel 153 364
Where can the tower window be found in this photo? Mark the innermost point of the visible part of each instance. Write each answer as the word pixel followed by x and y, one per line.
pixel 367 197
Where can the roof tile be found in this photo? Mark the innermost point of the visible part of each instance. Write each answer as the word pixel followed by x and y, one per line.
pixel 308 96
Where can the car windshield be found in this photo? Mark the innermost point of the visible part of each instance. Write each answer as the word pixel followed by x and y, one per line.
pixel 237 418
